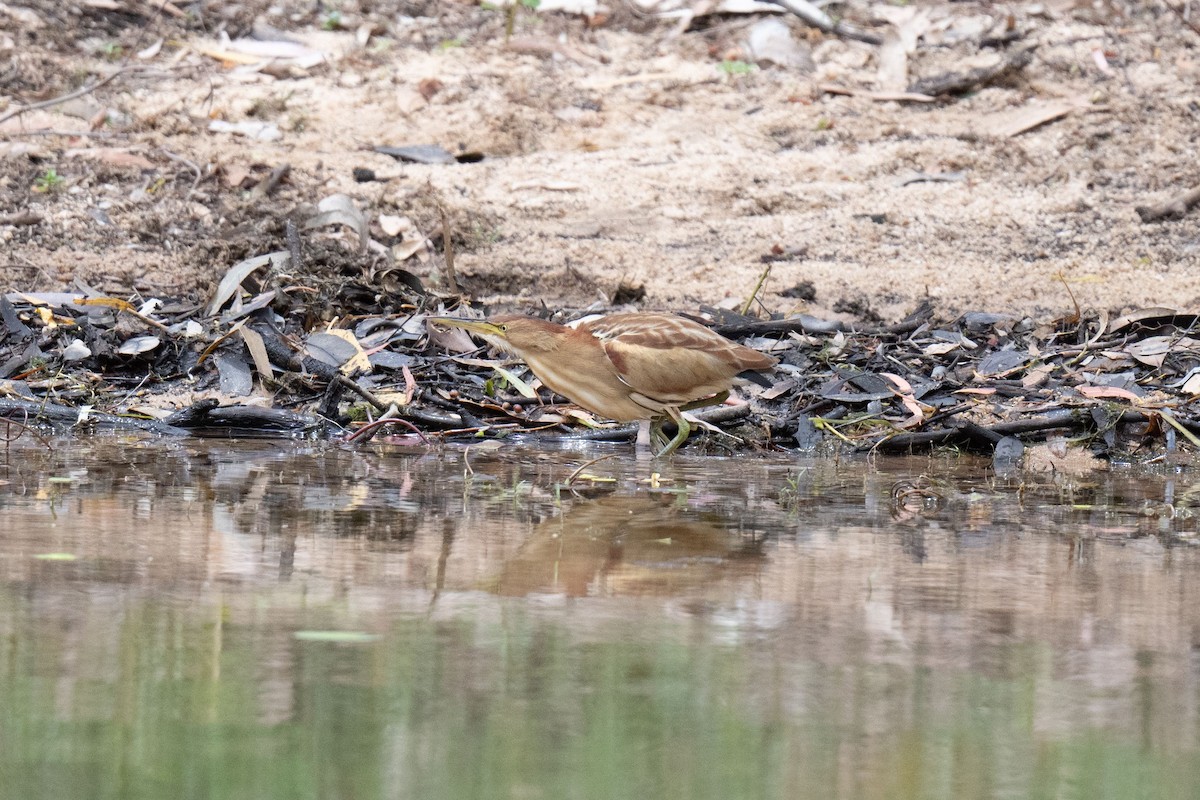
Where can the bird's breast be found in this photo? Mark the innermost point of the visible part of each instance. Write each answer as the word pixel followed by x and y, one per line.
pixel 588 381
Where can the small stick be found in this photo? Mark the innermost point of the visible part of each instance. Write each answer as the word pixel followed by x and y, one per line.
pixel 365 394
pixel 71 134
pixel 585 465
pixel 757 288
pixel 1174 208
pixel 9 437
pixel 1181 12
pixel 53 101
pixel 272 181
pixel 368 431
pixel 21 218
pixel 192 165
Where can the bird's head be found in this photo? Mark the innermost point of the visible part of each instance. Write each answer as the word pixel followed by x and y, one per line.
pixel 509 332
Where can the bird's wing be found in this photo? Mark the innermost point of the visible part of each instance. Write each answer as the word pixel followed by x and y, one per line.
pixel 672 359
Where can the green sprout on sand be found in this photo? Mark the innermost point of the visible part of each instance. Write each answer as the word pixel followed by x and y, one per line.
pixel 736 67
pixel 49 181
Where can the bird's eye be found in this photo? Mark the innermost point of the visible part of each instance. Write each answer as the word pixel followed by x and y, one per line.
pixel 504 329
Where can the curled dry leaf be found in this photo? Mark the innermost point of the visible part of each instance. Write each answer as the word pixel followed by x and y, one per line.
pixel 239 272
pixel 340 209
pixel 1153 351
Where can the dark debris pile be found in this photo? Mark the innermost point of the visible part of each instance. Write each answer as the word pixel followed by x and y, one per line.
pixel 267 358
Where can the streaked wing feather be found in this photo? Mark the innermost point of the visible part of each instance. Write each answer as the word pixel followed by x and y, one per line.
pixel 672 359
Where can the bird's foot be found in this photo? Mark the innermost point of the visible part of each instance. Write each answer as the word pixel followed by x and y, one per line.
pixel 685 428
pixel 657 437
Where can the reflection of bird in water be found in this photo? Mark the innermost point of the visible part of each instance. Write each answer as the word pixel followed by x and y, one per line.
pixel 626 545
pixel 625 366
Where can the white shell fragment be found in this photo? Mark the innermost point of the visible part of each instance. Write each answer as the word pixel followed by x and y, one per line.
pixel 76 351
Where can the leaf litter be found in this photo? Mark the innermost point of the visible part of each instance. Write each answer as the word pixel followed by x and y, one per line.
pixel 1111 387
pixel 317 328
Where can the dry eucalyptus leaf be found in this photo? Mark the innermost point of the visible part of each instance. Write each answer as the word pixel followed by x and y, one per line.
pixel 239 272
pixel 340 209
pixel 138 344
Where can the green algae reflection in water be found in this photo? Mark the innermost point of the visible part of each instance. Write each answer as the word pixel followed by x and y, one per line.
pixel 523 707
pixel 671 652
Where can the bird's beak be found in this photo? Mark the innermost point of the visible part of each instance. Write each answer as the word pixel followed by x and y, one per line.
pixel 478 326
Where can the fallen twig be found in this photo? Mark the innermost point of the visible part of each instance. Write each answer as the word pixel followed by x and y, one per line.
pixel 368 431
pixel 574 475
pixel 1184 17
pixel 271 182
pixel 192 165
pixel 448 249
pixel 822 21
pixel 55 414
pixel 911 97
pixel 1175 208
pixel 53 101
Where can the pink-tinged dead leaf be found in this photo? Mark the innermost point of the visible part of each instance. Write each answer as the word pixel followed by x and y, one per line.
pixel 982 392
pixel 900 383
pixel 234 175
pixel 1108 392
pixel 410 385
pixel 910 403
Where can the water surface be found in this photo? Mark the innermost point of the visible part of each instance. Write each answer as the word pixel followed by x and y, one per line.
pixel 263 620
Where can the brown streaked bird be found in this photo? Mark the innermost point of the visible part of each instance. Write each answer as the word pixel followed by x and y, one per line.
pixel 625 367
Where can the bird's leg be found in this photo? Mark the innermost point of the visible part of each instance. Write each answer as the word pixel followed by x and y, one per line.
pixel 643 436
pixel 685 428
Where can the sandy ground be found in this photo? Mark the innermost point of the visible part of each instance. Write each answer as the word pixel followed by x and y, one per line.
pixel 617 151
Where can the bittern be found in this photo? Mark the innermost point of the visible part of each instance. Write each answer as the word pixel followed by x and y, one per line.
pixel 625 367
